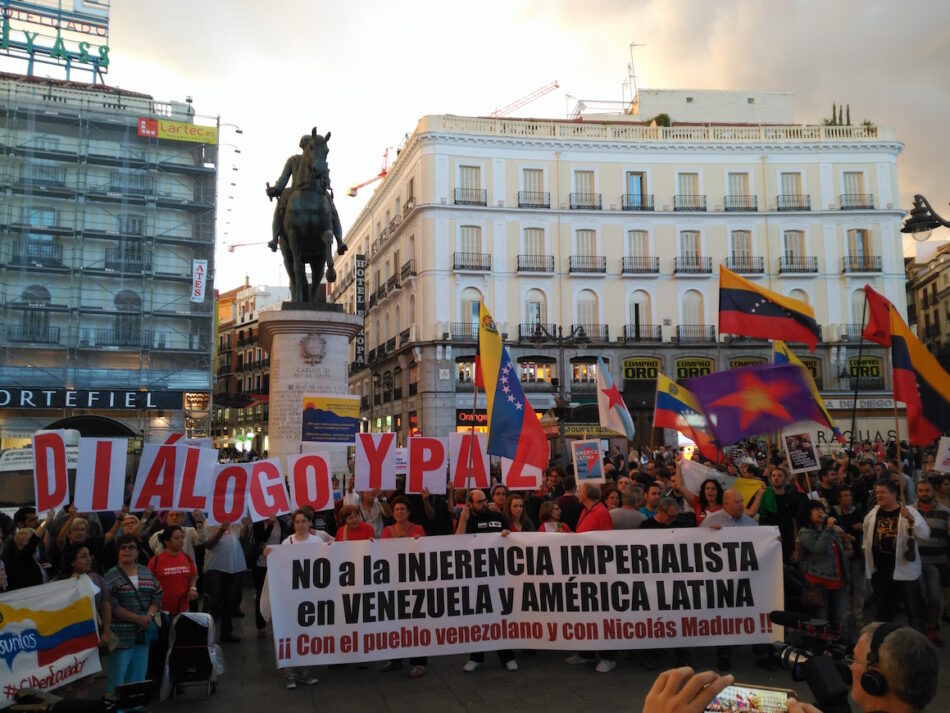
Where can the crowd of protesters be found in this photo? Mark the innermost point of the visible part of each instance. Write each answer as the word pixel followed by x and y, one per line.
pixel 865 537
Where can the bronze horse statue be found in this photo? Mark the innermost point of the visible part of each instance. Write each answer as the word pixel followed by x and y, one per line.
pixel 307 226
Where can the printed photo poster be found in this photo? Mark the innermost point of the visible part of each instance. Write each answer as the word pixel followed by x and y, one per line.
pixel 942 463
pixel 588 459
pixel 800 450
pixel 330 418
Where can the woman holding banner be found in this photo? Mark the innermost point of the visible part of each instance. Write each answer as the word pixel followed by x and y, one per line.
pixel 514 513
pixel 402 527
pixel 353 527
pixel 550 516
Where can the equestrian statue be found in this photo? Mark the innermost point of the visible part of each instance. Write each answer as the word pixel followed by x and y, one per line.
pixel 305 220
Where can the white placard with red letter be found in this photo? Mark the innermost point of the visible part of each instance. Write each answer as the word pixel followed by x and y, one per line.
pixel 521 476
pixel 311 482
pixel 194 483
pixel 374 467
pixel 427 463
pixel 266 490
pixel 49 470
pixel 227 501
pixel 462 453
pixel 173 477
pixel 100 475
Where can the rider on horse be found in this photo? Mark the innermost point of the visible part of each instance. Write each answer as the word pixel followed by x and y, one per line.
pixel 277 191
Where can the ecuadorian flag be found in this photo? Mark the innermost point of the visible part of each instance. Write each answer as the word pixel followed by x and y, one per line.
pixel 677 408
pixel 781 354
pixel 921 383
pixel 747 309
pixel 514 431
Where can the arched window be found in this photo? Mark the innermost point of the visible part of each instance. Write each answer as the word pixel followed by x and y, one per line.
pixel 799 295
pixel 693 312
pixel 858 313
pixel 588 313
pixel 397 325
pixel 536 309
pixel 468 307
pixel 412 309
pixel 641 313
pixel 386 327
pixel 36 295
pixel 34 323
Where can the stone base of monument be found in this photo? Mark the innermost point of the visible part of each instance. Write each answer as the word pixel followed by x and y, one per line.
pixel 309 354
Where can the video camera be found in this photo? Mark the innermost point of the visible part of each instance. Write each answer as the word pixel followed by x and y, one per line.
pixel 815 653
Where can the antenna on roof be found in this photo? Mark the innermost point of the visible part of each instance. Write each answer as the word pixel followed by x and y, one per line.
pixel 630 83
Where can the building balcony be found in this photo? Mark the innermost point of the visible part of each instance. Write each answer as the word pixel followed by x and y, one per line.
pixel 737 203
pixel 689 202
pixel 851 332
pixel 392 284
pixel 391 345
pixel 797 263
pixel 536 331
pixel 586 201
pixel 128 338
pixel 405 336
pixel 372 300
pixel 792 202
pixel 480 262
pixel 364 403
pixel 408 207
pixel 587 264
pixel 744 339
pixel 38 253
pixel 857 201
pixel 463 331
pixel 636 265
pixel 642 333
pixel 535 263
pixel 534 199
pixel 591 332
pixel 692 266
pixel 696 334
pixel 471 196
pixel 636 201
pixel 122 261
pixel 408 269
pixel 32 334
pixel 746 265
pixel 861 263
pixel 380 293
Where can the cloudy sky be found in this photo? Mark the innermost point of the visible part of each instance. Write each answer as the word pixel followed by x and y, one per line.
pixel 367 70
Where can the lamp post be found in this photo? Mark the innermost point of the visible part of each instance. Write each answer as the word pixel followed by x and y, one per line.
pixel 372 405
pixel 562 408
pixel 922 220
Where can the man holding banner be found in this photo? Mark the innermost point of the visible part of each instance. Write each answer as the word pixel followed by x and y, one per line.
pixel 224 563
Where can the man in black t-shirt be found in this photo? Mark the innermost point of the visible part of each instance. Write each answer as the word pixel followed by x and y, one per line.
pixel 477 519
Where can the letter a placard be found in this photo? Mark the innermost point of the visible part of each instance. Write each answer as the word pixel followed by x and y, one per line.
pixel 462 453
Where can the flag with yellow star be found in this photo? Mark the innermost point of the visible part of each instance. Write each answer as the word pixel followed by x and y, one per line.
pixel 754 400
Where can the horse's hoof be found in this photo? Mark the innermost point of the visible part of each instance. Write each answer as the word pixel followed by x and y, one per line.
pixel 331 275
pixel 340 248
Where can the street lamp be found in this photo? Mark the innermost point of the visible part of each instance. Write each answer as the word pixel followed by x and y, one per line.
pixel 922 220
pixel 237 129
pixel 562 408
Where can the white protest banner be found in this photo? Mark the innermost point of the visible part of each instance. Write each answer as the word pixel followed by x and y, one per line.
pixel 179 439
pixel 267 490
pixel 47 636
pixel 49 471
pixel 942 462
pixel 468 466
pixel 800 450
pixel 520 477
pixel 311 482
pixel 374 466
pixel 173 477
pixel 364 601
pixel 402 461
pixel 427 463
pixel 227 501
pixel 100 475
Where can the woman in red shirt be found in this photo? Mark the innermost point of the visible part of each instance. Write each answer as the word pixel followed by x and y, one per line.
pixel 175 571
pixel 353 527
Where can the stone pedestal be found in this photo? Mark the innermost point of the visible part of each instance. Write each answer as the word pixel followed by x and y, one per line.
pixel 309 354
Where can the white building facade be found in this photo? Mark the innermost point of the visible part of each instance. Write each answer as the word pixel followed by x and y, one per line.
pixel 587 238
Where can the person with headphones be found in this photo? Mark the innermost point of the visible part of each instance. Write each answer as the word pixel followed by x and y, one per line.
pixel 894 669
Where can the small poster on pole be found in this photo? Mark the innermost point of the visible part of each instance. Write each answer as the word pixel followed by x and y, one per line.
pixel 942 463
pixel 800 450
pixel 588 460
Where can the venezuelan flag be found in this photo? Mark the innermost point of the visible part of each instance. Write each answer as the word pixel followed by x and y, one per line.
pixel 677 408
pixel 514 431
pixel 781 354
pixel 59 632
pixel 747 309
pixel 921 383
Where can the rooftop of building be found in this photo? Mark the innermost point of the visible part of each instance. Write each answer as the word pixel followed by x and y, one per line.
pixel 68 84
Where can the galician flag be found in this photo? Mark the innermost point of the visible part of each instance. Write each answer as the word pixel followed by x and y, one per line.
pixel 610 406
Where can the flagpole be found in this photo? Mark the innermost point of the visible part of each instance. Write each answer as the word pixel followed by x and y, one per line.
pixel 897 438
pixel 471 445
pixel 857 379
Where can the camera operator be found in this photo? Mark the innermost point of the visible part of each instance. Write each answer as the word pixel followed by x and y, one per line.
pixel 894 669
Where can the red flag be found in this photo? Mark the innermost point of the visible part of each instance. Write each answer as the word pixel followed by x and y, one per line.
pixel 879 318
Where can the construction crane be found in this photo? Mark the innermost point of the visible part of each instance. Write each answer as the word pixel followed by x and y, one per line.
pixel 526 99
pixel 352 190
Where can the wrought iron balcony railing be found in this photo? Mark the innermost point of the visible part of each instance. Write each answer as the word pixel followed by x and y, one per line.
pixel 587 263
pixel 793 201
pixel 586 201
pixel 534 199
pixel 689 202
pixel 642 333
pixel 472 261
pixel 857 201
pixel 535 263
pixel 798 263
pixel 471 196
pixel 639 265
pixel 637 201
pixel 693 265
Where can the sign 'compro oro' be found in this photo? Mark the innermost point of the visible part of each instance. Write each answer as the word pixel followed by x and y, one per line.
pixel 743 361
pixel 177 131
pixel 693 366
pixel 641 369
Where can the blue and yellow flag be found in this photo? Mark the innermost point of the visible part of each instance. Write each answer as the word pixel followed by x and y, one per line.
pixel 781 354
